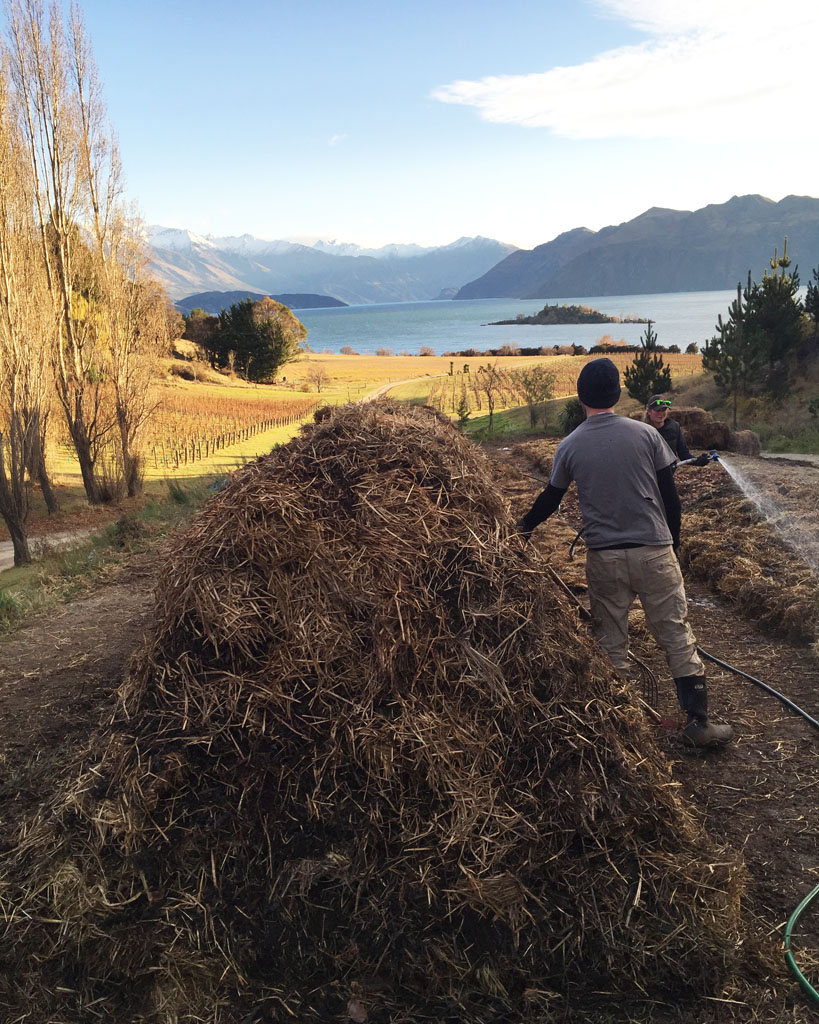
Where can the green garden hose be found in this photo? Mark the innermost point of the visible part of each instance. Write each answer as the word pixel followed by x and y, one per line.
pixel 804 984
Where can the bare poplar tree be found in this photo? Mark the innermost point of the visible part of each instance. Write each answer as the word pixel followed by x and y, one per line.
pixel 52 123
pixel 39 417
pixel 24 373
pixel 137 334
pixel 130 314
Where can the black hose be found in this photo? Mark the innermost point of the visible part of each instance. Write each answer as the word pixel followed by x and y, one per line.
pixel 758 682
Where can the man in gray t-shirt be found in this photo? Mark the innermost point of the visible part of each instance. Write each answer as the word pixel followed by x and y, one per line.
pixel 615 462
pixel 631 523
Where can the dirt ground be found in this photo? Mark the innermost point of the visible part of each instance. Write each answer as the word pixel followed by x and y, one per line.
pixel 58 676
pixel 59 673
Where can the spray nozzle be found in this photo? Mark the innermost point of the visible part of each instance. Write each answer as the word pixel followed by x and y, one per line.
pixel 713 455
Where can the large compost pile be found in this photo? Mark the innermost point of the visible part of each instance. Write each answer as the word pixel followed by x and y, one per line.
pixel 365 768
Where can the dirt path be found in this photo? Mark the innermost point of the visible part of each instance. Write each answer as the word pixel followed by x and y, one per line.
pixel 385 388
pixel 57 540
pixel 58 676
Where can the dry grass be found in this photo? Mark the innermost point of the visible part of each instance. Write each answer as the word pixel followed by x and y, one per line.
pixel 367 762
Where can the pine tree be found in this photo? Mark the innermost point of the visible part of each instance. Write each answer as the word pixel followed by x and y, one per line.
pixel 812 302
pixel 572 415
pixel 777 310
pixel 647 375
pixel 738 354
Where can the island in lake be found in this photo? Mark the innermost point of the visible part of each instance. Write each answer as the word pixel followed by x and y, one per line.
pixel 566 314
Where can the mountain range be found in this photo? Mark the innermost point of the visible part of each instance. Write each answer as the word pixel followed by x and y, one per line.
pixel 661 251
pixel 185 263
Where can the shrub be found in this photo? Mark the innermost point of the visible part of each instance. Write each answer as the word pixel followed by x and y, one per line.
pixel 182 370
pixel 126 530
pixel 178 493
pixel 463 411
pixel 8 606
pixel 572 416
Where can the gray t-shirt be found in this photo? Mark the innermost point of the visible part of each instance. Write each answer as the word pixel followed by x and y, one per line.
pixel 614 462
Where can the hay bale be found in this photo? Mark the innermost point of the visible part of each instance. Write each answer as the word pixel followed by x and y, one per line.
pixel 744 442
pixel 700 428
pixel 366 764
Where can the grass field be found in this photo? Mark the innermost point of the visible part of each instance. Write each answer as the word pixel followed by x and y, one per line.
pixel 349 378
pixel 353 377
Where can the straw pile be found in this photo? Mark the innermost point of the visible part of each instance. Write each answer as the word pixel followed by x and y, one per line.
pixel 365 768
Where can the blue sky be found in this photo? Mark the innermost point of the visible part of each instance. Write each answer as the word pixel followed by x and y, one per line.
pixel 374 122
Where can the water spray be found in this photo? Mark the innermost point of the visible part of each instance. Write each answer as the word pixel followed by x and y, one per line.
pixel 805 544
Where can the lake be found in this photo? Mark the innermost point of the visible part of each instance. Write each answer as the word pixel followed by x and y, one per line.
pixel 448 326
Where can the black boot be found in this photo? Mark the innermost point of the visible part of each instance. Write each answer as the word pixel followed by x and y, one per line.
pixel 692 693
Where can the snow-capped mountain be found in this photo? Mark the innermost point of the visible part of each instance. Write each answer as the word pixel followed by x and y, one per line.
pixel 351 249
pixel 187 263
pixel 175 239
pixel 248 245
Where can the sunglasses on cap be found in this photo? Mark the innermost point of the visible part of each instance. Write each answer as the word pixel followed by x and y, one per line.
pixel 662 404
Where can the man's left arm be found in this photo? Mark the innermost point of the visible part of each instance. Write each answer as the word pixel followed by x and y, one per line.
pixel 547 502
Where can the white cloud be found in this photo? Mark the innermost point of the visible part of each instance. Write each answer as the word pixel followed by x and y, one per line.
pixel 335 139
pixel 710 71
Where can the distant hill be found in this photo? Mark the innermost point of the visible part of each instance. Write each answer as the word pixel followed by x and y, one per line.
pixel 660 251
pixel 215 302
pixel 186 263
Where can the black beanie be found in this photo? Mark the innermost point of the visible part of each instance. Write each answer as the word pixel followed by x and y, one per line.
pixel 598 385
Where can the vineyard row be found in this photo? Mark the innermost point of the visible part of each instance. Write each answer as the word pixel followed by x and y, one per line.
pixel 178 448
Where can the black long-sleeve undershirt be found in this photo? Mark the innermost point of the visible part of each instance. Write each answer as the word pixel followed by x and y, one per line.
pixel 671 502
pixel 549 500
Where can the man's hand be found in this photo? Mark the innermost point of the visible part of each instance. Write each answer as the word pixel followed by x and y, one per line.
pixel 702 460
pixel 524 530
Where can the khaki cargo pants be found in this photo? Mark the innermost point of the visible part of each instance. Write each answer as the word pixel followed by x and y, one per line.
pixel 615 578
